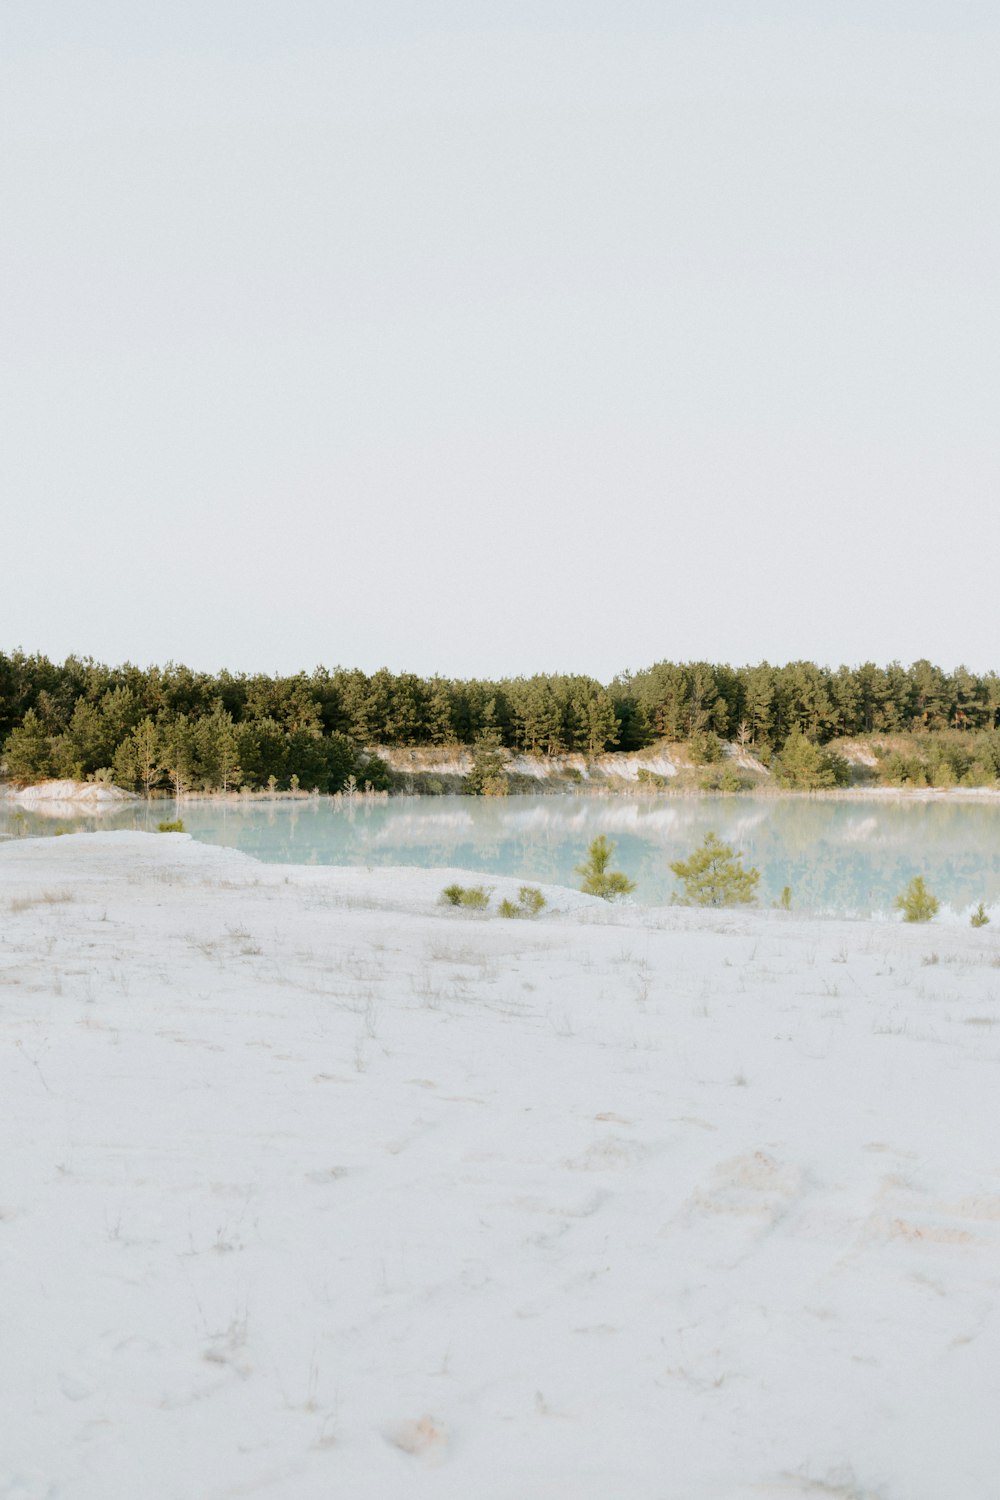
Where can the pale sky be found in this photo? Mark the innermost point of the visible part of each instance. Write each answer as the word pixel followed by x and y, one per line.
pixel 495 338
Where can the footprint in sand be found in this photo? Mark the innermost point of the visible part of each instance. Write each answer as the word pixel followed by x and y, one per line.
pixel 902 1211
pixel 755 1186
pixel 608 1155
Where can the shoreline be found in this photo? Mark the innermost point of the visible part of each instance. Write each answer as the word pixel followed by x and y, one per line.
pixel 90 805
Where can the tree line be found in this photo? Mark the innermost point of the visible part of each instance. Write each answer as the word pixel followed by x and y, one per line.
pixel 146 728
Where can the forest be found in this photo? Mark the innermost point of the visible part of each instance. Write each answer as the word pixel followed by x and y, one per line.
pixel 147 729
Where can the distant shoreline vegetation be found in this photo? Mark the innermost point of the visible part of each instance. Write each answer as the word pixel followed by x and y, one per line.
pixel 802 726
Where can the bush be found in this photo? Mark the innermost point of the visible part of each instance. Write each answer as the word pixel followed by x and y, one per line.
pixel 645 777
pixel 475 897
pixel 980 917
pixel 529 903
pixel 175 827
pixel 784 901
pixel 714 876
pixel 916 902
pixel 722 779
pixel 598 880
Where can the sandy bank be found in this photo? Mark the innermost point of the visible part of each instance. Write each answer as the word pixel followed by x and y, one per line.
pixel 313 1187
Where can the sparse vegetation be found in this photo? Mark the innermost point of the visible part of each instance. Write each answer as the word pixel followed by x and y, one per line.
pixel 473 897
pixel 39 898
pixel 598 880
pixel 916 902
pixel 714 876
pixel 980 917
pixel 531 899
pixel 177 826
pixel 529 903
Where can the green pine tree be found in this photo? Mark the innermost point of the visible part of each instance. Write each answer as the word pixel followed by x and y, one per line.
pixel 598 880
pixel 714 876
pixel 916 902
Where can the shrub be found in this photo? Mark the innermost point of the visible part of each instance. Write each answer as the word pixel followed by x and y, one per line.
pixel 916 902
pixel 598 880
pixel 714 876
pixel 176 827
pixel 529 903
pixel 722 779
pixel 645 777
pixel 476 897
pixel 980 917
pixel 531 900
pixel 784 901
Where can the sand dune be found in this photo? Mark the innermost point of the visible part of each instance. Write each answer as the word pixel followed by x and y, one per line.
pixel 312 1187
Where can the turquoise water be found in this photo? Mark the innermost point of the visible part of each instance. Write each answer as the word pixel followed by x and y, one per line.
pixel 850 856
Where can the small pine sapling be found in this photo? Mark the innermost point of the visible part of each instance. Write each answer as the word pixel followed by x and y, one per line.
pixel 714 876
pixel 598 880
pixel 980 917
pixel 916 902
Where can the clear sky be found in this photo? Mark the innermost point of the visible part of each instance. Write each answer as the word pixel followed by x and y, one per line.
pixel 494 338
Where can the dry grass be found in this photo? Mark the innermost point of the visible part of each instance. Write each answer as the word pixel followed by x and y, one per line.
pixel 39 898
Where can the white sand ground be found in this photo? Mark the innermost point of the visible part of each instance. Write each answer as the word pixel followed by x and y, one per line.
pixel 311 1188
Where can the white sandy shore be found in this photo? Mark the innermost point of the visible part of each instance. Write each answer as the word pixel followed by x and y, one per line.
pixel 312 1188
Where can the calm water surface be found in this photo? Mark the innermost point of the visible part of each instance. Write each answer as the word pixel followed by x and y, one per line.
pixel 837 856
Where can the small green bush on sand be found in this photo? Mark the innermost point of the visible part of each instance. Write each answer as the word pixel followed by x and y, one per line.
pixel 475 897
pixel 598 880
pixel 916 902
pixel 980 917
pixel 531 900
pixel 529 903
pixel 714 876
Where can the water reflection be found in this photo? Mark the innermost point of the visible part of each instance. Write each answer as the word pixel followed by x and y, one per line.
pixel 838 856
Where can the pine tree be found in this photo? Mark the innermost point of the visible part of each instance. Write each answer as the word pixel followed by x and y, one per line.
pixel 598 880
pixel 27 752
pixel 714 876
pixel 916 902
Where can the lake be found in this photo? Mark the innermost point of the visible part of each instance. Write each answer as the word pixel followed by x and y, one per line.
pixel 848 856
